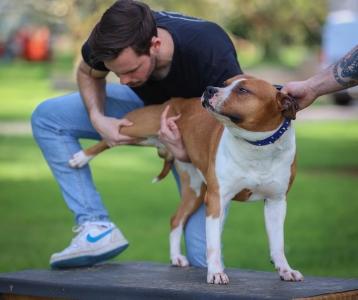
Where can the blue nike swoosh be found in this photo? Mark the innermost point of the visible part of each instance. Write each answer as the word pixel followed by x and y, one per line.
pixel 94 239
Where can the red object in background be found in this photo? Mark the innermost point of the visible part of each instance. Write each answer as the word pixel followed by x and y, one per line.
pixel 37 44
pixel 2 48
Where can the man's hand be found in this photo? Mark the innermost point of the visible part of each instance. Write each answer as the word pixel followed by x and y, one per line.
pixel 302 91
pixel 170 136
pixel 109 129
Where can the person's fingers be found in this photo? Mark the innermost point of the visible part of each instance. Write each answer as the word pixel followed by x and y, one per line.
pixel 173 127
pixel 125 122
pixel 164 114
pixel 174 118
pixel 168 131
pixel 125 138
pixel 166 134
pixel 284 90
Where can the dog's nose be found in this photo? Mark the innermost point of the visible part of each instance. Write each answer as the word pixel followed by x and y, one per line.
pixel 211 91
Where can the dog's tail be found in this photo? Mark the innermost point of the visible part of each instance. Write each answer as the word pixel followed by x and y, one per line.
pixel 164 172
pixel 168 158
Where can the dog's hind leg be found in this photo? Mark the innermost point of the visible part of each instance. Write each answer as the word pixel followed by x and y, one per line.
pixel 83 157
pixel 192 193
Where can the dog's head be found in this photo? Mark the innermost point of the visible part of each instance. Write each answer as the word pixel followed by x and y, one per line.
pixel 250 103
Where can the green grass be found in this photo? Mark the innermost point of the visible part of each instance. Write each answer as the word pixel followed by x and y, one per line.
pixel 23 85
pixel 321 225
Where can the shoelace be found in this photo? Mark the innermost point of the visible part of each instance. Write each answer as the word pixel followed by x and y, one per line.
pixel 78 228
pixel 81 228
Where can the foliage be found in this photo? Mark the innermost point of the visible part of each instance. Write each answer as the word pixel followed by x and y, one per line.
pixel 266 25
pixel 275 24
pixel 269 25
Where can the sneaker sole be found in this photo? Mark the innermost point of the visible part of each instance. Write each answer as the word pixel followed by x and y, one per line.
pixel 87 261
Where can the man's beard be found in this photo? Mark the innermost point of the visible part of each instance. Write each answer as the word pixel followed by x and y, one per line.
pixel 159 72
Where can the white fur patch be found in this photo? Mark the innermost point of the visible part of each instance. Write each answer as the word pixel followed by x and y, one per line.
pixel 196 178
pixel 213 242
pixel 151 141
pixel 79 160
pixel 177 259
pixel 264 170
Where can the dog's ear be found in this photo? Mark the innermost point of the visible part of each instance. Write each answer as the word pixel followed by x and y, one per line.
pixel 288 105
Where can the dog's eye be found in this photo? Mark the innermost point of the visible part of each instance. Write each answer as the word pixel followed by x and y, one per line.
pixel 242 90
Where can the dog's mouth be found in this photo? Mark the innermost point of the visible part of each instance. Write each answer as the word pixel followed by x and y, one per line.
pixel 208 106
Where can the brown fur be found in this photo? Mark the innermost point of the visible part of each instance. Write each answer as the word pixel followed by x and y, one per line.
pixel 293 174
pixel 243 195
pixel 190 202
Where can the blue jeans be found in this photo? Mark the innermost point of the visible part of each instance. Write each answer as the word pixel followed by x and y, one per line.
pixel 57 126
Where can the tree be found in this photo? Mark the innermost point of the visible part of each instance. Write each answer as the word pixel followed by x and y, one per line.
pixel 273 24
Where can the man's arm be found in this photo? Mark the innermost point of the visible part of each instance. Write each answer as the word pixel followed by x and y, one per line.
pixel 92 85
pixel 346 70
pixel 339 76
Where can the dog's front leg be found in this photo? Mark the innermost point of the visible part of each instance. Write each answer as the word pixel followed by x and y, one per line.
pixel 275 212
pixel 214 223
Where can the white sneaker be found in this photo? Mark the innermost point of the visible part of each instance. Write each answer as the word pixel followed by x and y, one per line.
pixel 94 243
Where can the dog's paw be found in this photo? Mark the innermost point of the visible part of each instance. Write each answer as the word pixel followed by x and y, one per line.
pixel 290 275
pixel 79 160
pixel 218 278
pixel 179 261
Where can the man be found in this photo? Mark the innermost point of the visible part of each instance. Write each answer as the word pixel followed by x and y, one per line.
pixel 156 55
pixel 339 76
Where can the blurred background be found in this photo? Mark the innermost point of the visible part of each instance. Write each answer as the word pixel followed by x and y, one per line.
pixel 277 40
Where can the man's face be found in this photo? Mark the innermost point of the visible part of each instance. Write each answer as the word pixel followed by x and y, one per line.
pixel 131 68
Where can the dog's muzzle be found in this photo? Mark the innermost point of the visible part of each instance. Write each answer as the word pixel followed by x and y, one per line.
pixel 209 92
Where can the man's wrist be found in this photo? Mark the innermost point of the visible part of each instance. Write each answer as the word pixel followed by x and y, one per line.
pixel 313 87
pixel 95 115
pixel 95 118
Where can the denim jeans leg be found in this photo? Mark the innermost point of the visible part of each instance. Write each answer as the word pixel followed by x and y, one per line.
pixel 57 126
pixel 195 237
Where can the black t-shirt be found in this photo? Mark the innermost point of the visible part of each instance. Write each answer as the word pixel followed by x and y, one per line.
pixel 203 55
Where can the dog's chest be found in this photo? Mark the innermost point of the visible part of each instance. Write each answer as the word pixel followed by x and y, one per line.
pixel 264 171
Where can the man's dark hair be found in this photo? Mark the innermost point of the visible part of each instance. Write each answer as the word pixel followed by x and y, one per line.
pixel 126 23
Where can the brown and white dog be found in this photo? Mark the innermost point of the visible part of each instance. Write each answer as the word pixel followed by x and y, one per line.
pixel 241 147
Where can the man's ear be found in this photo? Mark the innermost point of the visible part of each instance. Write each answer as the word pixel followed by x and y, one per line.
pixel 155 44
pixel 287 105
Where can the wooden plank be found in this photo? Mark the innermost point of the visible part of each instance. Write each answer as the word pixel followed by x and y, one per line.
pixel 138 280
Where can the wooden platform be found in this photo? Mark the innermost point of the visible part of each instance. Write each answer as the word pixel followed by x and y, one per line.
pixel 138 280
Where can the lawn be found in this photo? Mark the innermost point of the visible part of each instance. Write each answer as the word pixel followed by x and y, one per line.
pixel 321 225
pixel 23 85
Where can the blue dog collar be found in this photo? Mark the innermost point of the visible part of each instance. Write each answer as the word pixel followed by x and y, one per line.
pixel 273 138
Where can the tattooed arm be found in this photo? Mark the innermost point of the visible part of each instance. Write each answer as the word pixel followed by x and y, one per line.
pixel 339 76
pixel 346 70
